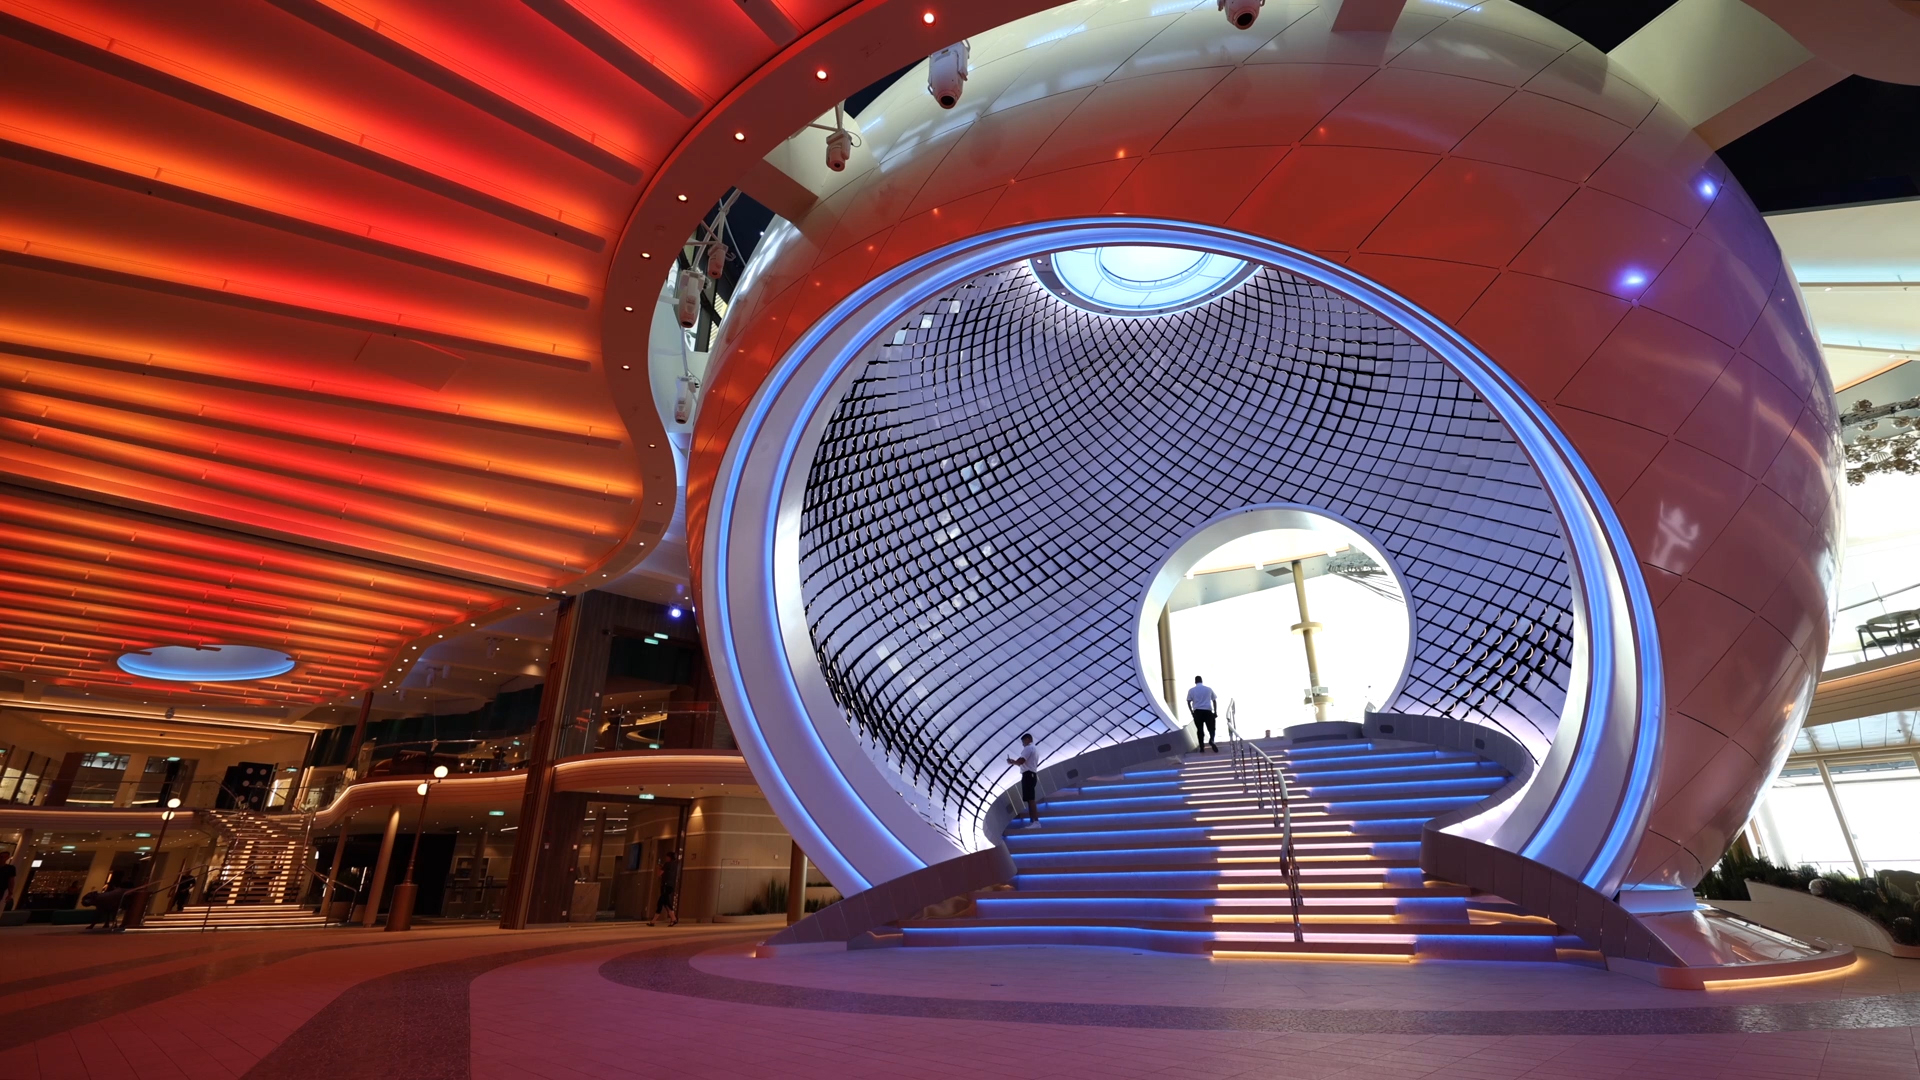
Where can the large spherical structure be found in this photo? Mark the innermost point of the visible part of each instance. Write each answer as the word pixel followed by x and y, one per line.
pixel 1490 169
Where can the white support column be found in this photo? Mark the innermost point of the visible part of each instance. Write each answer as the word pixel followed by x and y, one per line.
pixel 130 780
pixel 1841 815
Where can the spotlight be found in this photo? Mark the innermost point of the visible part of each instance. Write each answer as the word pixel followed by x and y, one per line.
pixel 1241 13
pixel 686 297
pixel 947 74
pixel 839 149
pixel 674 612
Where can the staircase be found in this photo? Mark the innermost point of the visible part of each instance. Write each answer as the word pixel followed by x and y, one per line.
pixel 1176 857
pixel 267 857
pixel 259 884
pixel 234 917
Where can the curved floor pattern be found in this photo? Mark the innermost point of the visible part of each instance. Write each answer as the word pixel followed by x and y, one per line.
pixel 615 1001
pixel 671 971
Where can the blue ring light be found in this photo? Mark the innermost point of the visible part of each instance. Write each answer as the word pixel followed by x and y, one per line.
pixel 215 663
pixel 1139 279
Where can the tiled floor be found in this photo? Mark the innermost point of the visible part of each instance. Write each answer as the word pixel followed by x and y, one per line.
pixel 622 1000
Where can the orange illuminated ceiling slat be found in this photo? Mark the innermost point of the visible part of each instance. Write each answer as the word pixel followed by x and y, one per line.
pixel 184 742
pixel 85 555
pixel 54 381
pixel 622 53
pixel 157 726
pixel 231 695
pixel 156 733
pixel 123 688
pixel 131 600
pixel 131 64
pixel 27 254
pixel 259 381
pixel 380 39
pixel 36 646
pixel 19 610
pixel 252 209
pixel 132 582
pixel 92 422
pixel 93 523
pixel 183 498
pixel 307 676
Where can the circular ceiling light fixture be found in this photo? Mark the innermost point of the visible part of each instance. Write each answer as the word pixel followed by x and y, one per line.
pixel 1138 279
pixel 215 663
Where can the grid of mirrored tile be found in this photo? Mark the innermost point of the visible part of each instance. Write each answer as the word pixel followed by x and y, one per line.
pixel 994 493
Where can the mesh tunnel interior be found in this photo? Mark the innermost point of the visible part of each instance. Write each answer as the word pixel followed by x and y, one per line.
pixel 998 487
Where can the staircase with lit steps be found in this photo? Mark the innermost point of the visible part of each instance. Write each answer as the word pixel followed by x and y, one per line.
pixel 1175 856
pixel 234 917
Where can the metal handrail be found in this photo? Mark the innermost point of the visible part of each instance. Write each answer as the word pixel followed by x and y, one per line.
pixel 1261 776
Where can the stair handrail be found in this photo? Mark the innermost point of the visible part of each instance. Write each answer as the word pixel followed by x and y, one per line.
pixel 1261 776
pixel 315 875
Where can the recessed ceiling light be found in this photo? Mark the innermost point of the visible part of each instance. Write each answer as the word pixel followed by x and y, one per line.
pixel 820 74
pixel 927 18
pixel 739 136
pixel 629 307
pixel 682 198
pixel 646 254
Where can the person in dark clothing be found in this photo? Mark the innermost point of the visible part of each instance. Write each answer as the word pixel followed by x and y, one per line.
pixel 1029 762
pixel 1201 702
pixel 7 872
pixel 669 879
pixel 106 906
pixel 183 891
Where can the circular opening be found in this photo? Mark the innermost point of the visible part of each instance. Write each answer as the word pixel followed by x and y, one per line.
pixel 1227 607
pixel 214 663
pixel 1139 279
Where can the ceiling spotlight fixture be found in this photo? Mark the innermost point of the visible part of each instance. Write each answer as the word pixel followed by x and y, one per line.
pixel 629 307
pixel 682 198
pixel 927 18
pixel 947 73
pixel 646 254
pixel 674 612
pixel 1241 13
pixel 821 74
pixel 739 136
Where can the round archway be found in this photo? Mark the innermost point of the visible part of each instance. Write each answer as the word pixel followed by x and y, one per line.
pixel 1290 614
pixel 1461 169
pixel 934 527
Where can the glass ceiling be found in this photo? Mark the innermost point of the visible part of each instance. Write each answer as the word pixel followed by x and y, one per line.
pixel 1141 279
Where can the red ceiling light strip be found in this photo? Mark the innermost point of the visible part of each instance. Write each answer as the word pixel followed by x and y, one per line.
pixel 123 60
pixel 258 378
pixel 56 382
pixel 49 258
pixel 251 207
pixel 116 429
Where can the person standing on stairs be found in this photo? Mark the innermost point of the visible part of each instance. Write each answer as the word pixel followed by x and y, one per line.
pixel 1201 703
pixel 1029 761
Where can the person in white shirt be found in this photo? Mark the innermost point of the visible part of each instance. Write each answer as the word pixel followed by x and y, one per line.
pixel 1201 703
pixel 1029 762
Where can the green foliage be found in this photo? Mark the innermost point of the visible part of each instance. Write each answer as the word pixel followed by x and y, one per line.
pixel 772 900
pixel 1888 900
